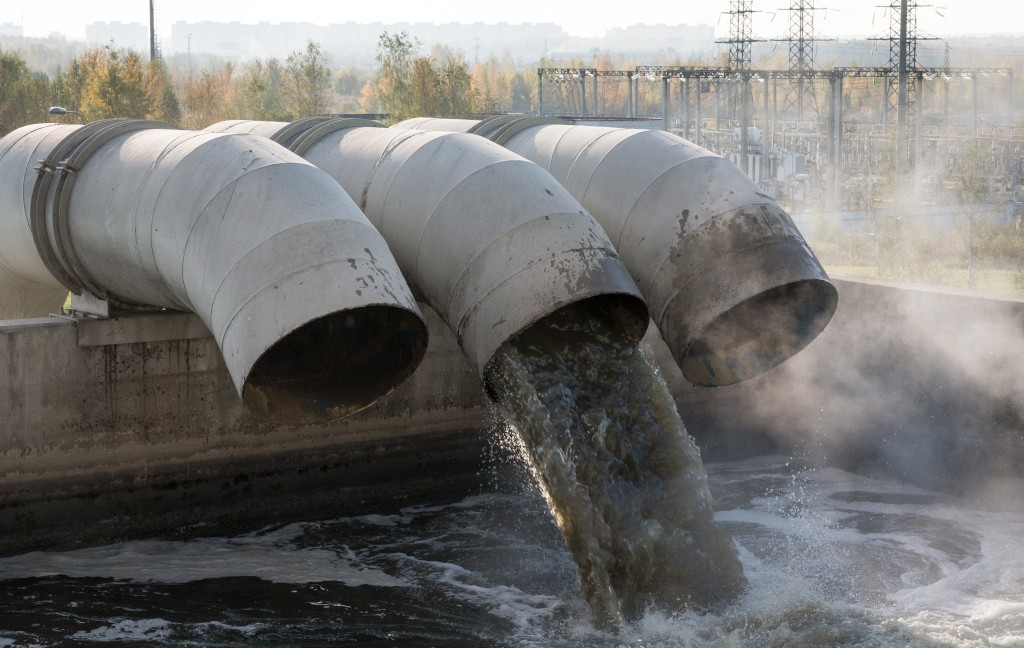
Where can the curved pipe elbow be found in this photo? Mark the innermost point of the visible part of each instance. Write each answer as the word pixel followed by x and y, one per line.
pixel 303 297
pixel 731 283
pixel 733 286
pixel 489 239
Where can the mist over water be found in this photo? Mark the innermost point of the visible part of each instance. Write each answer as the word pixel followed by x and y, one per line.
pixel 623 479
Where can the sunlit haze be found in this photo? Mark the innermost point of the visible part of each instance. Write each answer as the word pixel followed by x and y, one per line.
pixel 854 18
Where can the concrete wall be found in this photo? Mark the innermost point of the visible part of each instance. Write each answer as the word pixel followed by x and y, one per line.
pixel 129 427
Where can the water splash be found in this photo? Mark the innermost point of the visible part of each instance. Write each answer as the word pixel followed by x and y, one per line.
pixel 622 477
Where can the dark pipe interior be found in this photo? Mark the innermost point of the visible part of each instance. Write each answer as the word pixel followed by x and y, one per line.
pixel 760 333
pixel 622 312
pixel 335 365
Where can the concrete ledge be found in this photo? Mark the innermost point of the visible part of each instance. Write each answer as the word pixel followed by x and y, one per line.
pixel 136 328
pixel 8 327
pixel 130 426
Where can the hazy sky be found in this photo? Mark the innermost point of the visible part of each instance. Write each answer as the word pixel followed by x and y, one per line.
pixel 857 18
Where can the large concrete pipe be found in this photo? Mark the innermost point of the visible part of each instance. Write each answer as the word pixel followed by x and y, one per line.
pixel 488 239
pixel 21 297
pixel 730 281
pixel 299 290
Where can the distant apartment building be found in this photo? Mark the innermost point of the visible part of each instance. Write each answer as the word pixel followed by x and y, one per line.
pixel 10 29
pixel 680 39
pixel 356 43
pixel 133 36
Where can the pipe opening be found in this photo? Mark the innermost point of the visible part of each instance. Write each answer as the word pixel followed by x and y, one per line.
pixel 335 365
pixel 625 314
pixel 759 333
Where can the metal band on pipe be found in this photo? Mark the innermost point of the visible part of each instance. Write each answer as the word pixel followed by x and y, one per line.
pixel 506 132
pixel 315 134
pixel 37 210
pixel 64 162
pixel 489 124
pixel 288 133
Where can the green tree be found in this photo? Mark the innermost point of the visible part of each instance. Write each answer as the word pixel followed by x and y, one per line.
pixel 392 89
pixel 498 86
pixel 307 86
pixel 441 88
pixel 116 86
pixel 455 87
pixel 424 84
pixel 523 92
pixel 105 82
pixel 209 98
pixel 348 82
pixel 163 101
pixel 69 86
pixel 25 96
pixel 407 85
pixel 260 91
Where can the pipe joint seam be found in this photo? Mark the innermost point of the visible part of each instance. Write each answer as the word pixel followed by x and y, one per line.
pixel 50 216
pixel 310 137
pixel 289 132
pixel 509 130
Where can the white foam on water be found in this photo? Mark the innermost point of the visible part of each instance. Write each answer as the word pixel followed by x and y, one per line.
pixel 949 591
pixel 943 572
pixel 127 630
pixel 526 612
pixel 268 555
pixel 981 603
pixel 247 630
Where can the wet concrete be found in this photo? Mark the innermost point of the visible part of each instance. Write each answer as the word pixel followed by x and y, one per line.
pixel 130 427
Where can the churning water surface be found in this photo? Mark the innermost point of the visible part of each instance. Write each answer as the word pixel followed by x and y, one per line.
pixel 831 558
pixel 818 557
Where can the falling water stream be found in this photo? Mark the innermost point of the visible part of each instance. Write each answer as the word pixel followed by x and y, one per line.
pixel 623 478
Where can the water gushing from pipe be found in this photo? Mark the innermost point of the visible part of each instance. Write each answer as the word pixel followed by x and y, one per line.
pixel 623 478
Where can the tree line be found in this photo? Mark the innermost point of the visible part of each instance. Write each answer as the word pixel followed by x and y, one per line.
pixel 106 82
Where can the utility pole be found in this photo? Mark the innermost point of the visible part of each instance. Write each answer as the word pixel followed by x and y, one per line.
pixel 154 49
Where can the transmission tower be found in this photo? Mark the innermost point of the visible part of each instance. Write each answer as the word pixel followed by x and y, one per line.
pixel 740 34
pixel 740 41
pixel 902 58
pixel 801 39
pixel 901 93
